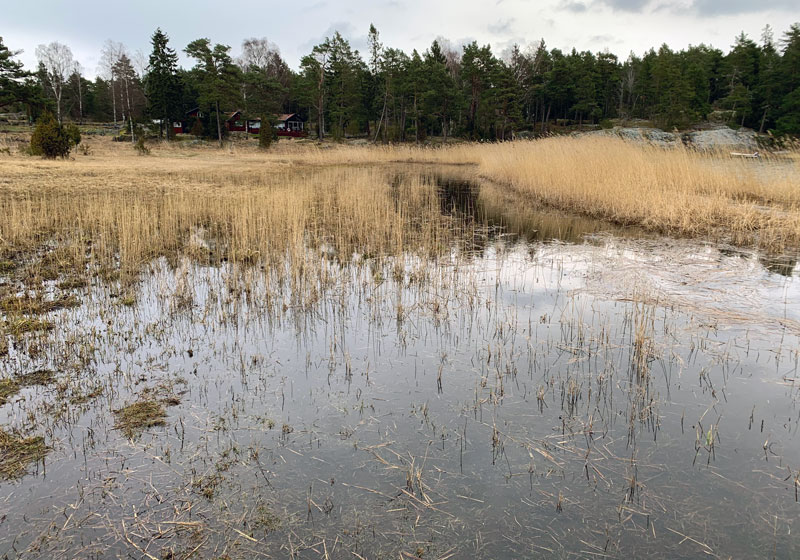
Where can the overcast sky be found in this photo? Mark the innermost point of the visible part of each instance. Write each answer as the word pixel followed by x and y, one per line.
pixel 621 26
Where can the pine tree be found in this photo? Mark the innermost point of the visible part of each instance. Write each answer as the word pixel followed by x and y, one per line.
pixel 13 88
pixel 161 84
pixel 216 74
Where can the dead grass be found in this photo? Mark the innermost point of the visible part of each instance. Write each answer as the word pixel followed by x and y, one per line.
pixel 39 377
pixel 17 452
pixel 17 326
pixel 134 418
pixel 11 386
pixel 666 190
pixel 36 305
pixel 112 210
pixel 8 388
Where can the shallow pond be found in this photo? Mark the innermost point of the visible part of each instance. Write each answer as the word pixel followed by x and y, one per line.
pixel 551 387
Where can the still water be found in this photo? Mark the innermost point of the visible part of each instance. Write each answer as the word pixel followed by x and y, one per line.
pixel 551 387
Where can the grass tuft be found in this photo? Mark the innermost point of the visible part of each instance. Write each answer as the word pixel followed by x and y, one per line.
pixel 16 453
pixel 133 419
pixel 8 388
pixel 17 326
pixel 33 305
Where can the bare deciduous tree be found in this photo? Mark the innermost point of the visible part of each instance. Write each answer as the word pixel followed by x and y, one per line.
pixel 258 53
pixel 125 73
pixel 77 77
pixel 262 58
pixel 58 64
pixel 452 55
pixel 109 56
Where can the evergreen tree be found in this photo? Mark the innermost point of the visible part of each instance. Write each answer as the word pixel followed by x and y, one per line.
pixel 789 121
pixel 162 85
pixel 14 86
pixel 477 67
pixel 216 76
pixel 440 100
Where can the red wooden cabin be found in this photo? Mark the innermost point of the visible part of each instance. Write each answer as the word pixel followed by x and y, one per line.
pixel 235 123
pixel 183 127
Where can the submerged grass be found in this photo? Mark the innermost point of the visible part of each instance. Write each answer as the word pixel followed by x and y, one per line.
pixel 11 386
pixel 134 418
pixel 39 377
pixel 8 388
pixel 17 452
pixel 35 305
pixel 18 326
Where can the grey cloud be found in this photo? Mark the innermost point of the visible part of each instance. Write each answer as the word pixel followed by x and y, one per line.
pixel 344 28
pixel 501 27
pixel 573 6
pixel 625 5
pixel 701 7
pixel 728 7
pixel 604 39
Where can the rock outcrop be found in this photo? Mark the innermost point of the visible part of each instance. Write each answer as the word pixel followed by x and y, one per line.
pixel 723 138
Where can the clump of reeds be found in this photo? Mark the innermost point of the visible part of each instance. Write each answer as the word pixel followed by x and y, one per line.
pixel 676 190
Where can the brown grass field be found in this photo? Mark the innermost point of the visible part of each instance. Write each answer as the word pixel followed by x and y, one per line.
pixel 261 204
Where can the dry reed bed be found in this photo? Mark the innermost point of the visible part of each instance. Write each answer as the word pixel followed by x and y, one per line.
pixel 256 205
pixel 136 213
pixel 679 190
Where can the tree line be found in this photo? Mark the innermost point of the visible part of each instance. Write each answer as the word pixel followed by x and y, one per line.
pixel 387 94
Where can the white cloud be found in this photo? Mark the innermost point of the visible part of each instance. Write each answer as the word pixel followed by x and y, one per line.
pixel 620 25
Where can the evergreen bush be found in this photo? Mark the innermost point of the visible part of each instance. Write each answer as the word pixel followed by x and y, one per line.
pixel 49 139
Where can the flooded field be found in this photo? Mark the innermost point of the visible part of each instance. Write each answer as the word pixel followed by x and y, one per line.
pixel 472 376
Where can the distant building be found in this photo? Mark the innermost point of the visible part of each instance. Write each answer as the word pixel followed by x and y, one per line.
pixel 235 123
pixel 290 124
pixel 184 126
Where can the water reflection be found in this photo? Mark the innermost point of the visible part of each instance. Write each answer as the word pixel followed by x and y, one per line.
pixel 520 398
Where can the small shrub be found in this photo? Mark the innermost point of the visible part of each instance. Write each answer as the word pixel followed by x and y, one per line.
pixel 264 139
pixel 267 134
pixel 73 133
pixel 606 124
pixel 49 139
pixel 141 147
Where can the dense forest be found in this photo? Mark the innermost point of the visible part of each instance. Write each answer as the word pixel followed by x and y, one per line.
pixel 390 95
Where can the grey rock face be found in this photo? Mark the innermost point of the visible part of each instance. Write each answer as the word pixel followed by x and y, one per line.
pixel 721 138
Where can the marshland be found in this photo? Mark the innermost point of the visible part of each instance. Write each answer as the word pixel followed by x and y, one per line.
pixel 574 347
